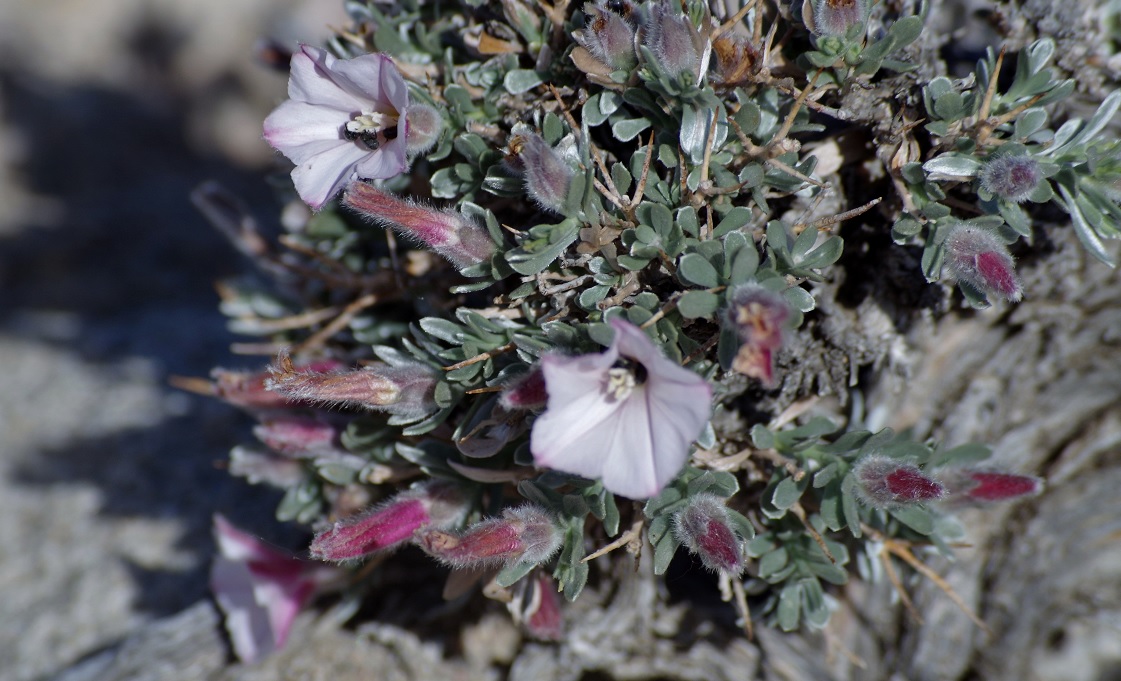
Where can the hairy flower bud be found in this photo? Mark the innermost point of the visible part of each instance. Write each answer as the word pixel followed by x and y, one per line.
pixel 247 389
pixel 703 527
pixel 403 390
pixel 834 17
pixel 547 176
pixel 671 38
pixel 392 523
pixel 296 435
pixel 979 258
pixel 537 607
pixel 888 483
pixel 423 127
pixel 1011 177
pixel 983 486
pixel 758 315
pixel 525 534
pixel 448 233
pixel 525 392
pixel 609 37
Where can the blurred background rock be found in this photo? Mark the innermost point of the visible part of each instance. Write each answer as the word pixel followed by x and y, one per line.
pixel 111 112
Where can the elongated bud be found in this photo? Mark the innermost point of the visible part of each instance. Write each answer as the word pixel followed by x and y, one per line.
pixel 526 534
pixel 392 523
pixel 404 390
pixel 759 317
pixel 537 607
pixel 525 392
pixel 296 435
pixel 1011 177
pixel 703 527
pixel 985 486
pixel 547 176
pixel 671 39
pixel 453 236
pixel 834 17
pixel 247 389
pixel 979 258
pixel 423 127
pixel 890 483
pixel 609 37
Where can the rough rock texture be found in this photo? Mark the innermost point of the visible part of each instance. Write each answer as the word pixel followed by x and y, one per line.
pixel 109 116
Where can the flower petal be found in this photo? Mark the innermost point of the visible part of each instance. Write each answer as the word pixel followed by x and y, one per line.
pixel 375 78
pixel 388 161
pixel 247 623
pixel 300 130
pixel 312 80
pixel 319 178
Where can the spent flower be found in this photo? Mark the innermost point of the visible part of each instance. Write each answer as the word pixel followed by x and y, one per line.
pixel 1011 177
pixel 524 534
pixel 629 425
pixel 979 258
pixel 704 528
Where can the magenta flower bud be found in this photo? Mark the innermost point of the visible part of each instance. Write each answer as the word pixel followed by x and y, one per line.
pixel 448 233
pixel 537 607
pixel 834 17
pixel 547 176
pixel 889 483
pixel 609 37
pixel 294 435
pixel 671 38
pixel 1012 178
pixel 403 390
pixel 423 127
pixel 525 534
pixel 759 316
pixel 981 486
pixel 392 523
pixel 525 392
pixel 703 527
pixel 979 258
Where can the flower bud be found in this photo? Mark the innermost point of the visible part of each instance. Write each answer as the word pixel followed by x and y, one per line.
pixel 547 176
pixel 834 17
pixel 423 125
pixel 537 607
pixel 453 236
pixel 1012 178
pixel 671 39
pixel 889 483
pixel 609 37
pixel 758 315
pixel 296 436
pixel 526 534
pixel 968 485
pixel 390 524
pixel 525 392
pixel 703 527
pixel 245 389
pixel 979 258
pixel 403 390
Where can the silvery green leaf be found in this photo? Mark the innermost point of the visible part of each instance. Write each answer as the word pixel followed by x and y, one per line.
pixel 789 609
pixel 1028 122
pixel 698 304
pixel 787 493
pixel 1100 119
pixel 694 268
pixel 906 31
pixel 915 517
pixel 799 299
pixel 694 132
pixel 773 561
pixel 1085 232
pixel 953 166
pixel 513 573
pixel 519 81
pixel 627 129
pixel 748 117
pixel 591 113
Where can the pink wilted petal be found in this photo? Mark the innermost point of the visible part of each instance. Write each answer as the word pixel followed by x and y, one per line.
pixel 998 486
pixel 600 422
pixel 259 589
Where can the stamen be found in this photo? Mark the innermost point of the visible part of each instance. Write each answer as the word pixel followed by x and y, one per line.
pixel 620 383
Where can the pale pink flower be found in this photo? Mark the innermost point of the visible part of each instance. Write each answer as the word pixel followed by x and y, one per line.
pixel 629 425
pixel 260 589
pixel 345 119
